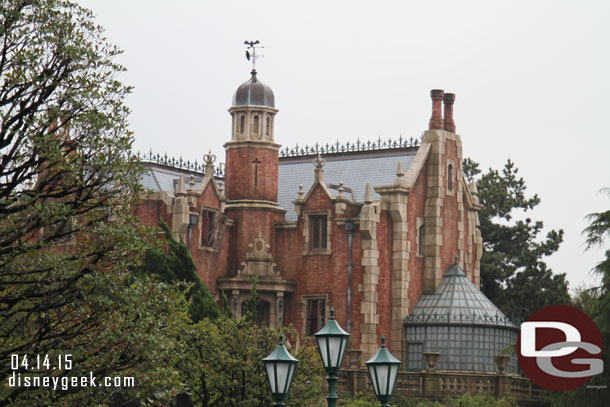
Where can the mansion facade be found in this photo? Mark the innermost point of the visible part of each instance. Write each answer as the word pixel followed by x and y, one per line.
pixel 368 228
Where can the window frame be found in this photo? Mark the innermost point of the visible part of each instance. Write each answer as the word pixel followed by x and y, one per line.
pixel 308 248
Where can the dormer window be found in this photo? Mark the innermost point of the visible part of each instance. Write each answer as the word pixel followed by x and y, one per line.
pixel 208 229
pixel 317 232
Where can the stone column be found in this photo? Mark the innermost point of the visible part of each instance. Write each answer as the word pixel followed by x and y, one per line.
pixel 370 279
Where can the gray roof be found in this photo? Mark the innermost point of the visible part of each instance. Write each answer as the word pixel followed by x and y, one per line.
pixel 354 169
pixel 254 92
pixel 456 301
pixel 160 177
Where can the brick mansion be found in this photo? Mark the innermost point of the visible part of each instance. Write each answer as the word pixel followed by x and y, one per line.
pixel 381 231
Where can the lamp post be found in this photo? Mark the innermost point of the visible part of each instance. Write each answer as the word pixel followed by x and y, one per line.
pixel 332 341
pixel 383 370
pixel 280 366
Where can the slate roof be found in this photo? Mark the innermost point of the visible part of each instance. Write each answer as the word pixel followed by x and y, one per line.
pixel 354 169
pixel 160 177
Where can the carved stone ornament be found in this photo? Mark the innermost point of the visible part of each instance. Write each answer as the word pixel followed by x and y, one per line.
pixel 259 261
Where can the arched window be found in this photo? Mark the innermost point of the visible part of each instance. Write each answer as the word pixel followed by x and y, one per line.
pixel 450 177
pixel 242 121
pixel 255 124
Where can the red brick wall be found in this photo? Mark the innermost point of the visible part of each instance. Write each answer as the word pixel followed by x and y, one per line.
pixel 246 180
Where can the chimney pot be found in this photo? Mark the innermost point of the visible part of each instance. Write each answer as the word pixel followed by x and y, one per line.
pixel 448 100
pixel 436 121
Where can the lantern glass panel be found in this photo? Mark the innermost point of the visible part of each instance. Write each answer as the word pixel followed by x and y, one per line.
pixel 282 374
pixel 393 376
pixel 291 369
pixel 271 374
pixel 373 375
pixel 383 377
pixel 323 350
pixel 335 350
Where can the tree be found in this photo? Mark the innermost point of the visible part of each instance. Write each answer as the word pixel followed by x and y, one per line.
pixel 67 239
pixel 223 365
pixel 175 265
pixel 513 273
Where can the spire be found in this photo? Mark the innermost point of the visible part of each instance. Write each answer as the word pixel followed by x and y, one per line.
pixel 400 170
pixel 318 164
pixel 368 194
pixel 181 189
pixel 208 160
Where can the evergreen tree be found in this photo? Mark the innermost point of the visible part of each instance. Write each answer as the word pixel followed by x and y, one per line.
pixel 513 272
pixel 175 265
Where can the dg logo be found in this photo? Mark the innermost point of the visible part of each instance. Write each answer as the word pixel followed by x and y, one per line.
pixel 560 348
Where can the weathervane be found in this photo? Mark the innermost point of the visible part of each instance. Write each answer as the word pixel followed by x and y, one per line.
pixel 252 56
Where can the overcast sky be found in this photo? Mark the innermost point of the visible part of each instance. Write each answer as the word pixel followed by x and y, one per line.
pixel 531 80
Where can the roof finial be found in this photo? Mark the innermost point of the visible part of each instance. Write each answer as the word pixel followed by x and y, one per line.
pixel 368 194
pixel 456 259
pixel 252 56
pixel 400 169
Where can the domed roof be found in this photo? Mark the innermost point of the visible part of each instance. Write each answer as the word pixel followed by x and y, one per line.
pixel 253 92
pixel 457 301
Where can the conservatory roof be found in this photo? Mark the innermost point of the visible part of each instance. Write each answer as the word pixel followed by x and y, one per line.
pixel 457 301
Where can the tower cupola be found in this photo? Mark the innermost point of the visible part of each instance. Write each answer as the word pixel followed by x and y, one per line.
pixel 253 92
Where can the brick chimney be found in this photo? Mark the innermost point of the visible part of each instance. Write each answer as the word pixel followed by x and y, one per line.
pixel 436 121
pixel 448 100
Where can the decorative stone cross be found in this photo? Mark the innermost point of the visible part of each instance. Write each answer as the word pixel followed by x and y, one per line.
pixel 256 162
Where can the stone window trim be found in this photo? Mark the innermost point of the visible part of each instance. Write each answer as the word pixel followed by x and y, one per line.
pixel 419 234
pixel 450 184
pixel 202 209
pixel 307 249
pixel 305 299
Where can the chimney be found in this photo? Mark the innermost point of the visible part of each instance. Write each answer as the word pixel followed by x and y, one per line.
pixel 436 121
pixel 448 102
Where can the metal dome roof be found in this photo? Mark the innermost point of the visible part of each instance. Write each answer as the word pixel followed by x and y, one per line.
pixel 457 301
pixel 254 92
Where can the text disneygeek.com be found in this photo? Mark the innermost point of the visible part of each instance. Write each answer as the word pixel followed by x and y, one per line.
pixel 39 364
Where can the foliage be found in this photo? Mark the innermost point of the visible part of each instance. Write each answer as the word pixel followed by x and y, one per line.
pixel 467 400
pixel 595 302
pixel 513 273
pixel 176 265
pixel 67 240
pixel 223 365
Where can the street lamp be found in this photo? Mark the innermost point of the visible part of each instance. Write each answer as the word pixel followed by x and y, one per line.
pixel 383 370
pixel 280 366
pixel 332 341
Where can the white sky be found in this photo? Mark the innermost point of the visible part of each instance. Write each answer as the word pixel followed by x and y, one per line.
pixel 531 78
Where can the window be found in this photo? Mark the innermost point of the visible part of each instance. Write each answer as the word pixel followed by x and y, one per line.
pixel 255 125
pixel 317 232
pixel 242 121
pixel 450 177
pixel 268 126
pixel 208 228
pixel 315 315
pixel 420 242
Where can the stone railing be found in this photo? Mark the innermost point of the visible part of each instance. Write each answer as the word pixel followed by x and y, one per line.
pixel 439 384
